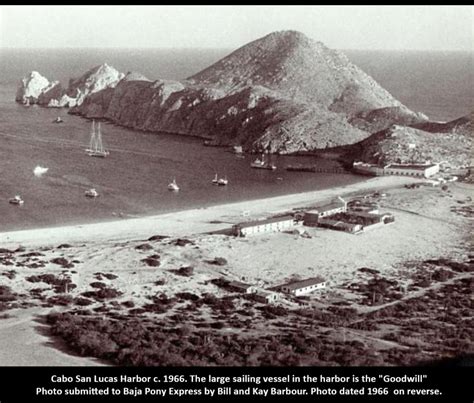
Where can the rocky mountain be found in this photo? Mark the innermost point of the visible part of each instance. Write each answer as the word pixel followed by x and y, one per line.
pixel 39 90
pixel 283 93
pixel 436 142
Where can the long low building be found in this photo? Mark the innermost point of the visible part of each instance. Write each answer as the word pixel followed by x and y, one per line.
pixel 274 224
pixel 303 287
pixel 419 170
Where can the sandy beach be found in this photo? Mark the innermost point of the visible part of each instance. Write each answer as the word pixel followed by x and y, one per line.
pixel 129 258
pixel 189 222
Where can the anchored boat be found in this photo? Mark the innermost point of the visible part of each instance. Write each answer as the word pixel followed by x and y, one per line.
pixel 261 163
pixel 96 148
pixel 173 185
pixel 91 193
pixel 16 200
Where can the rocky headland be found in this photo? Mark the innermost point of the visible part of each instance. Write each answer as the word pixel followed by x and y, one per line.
pixel 283 93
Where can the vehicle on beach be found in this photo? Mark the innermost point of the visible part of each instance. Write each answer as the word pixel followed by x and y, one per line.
pixel 91 193
pixel 261 163
pixel 16 200
pixel 173 186
pixel 96 148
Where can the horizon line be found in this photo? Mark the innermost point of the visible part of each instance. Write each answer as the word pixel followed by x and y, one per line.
pixel 222 48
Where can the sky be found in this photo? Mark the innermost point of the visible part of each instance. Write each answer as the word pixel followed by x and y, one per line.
pixel 341 27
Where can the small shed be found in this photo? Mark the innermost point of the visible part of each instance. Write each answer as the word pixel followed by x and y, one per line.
pixel 245 288
pixel 266 297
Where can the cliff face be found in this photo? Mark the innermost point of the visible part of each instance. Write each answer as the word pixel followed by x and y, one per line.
pixel 284 93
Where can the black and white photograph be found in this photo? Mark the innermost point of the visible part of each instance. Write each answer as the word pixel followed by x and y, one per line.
pixel 236 186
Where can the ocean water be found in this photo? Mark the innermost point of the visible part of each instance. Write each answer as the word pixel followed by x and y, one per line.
pixel 133 180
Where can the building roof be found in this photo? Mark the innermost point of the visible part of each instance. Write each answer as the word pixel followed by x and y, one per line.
pixel 263 294
pixel 337 223
pixel 329 206
pixel 270 220
pixel 239 284
pixel 304 283
pixel 420 167
pixel 369 215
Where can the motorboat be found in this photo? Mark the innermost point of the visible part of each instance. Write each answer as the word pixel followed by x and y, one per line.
pixel 222 182
pixel 173 185
pixel 91 193
pixel 261 163
pixel 16 200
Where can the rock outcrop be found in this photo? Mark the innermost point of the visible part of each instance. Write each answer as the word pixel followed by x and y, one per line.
pixel 436 142
pixel 36 89
pixel 283 93
pixel 32 87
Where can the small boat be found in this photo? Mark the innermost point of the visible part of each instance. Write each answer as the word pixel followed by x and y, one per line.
pixel 222 181
pixel 96 148
pixel 260 163
pixel 16 200
pixel 173 185
pixel 215 181
pixel 91 193
pixel 58 120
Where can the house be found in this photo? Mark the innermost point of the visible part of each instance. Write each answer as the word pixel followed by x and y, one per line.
pixel 311 217
pixel 273 224
pixel 418 170
pixel 242 287
pixel 372 216
pixel 265 297
pixel 339 225
pixel 302 287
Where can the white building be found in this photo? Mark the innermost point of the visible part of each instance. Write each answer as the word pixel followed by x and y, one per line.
pixel 242 287
pixel 419 170
pixel 311 217
pixel 273 224
pixel 265 297
pixel 302 287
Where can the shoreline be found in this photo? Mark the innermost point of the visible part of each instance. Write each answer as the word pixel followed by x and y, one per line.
pixel 191 221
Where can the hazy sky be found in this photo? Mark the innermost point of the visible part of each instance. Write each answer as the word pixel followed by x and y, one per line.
pixel 341 27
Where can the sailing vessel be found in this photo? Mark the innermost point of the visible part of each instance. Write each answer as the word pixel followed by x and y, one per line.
pixel 96 148
pixel 16 200
pixel 58 120
pixel 173 185
pixel 91 193
pixel 260 163
pixel 215 181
